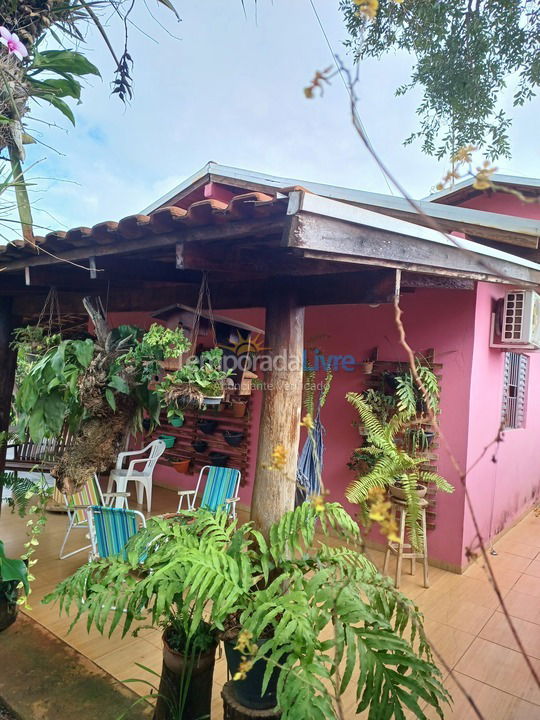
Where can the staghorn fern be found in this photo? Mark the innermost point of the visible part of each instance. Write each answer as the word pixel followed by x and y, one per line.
pixel 392 464
pixel 288 591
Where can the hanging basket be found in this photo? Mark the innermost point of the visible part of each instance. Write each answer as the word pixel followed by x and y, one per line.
pixel 171 364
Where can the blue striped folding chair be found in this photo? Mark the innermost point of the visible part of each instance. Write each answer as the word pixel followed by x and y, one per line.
pixel 76 506
pixel 221 487
pixel 111 528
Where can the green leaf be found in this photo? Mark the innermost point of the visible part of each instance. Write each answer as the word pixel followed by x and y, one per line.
pixel 66 86
pixel 5 120
pixel 84 351
pixel 60 105
pixel 118 383
pixel 65 61
pixel 110 398
pixel 12 569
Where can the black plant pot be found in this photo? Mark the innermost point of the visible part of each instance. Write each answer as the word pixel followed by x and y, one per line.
pixel 197 673
pixel 233 437
pixel 200 445
pixel 146 424
pixel 248 692
pixel 208 427
pixel 430 437
pixel 8 608
pixel 390 381
pixel 218 458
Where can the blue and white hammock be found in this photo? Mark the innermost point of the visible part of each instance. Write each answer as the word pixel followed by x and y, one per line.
pixel 310 463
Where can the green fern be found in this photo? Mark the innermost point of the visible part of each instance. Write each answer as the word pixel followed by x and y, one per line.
pixel 392 464
pixel 288 591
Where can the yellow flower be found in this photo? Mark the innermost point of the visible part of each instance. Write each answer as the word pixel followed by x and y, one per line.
pixel 319 503
pixel 279 457
pixel 464 154
pixel 243 669
pixel 367 8
pixel 483 175
pixel 244 643
pixel 307 422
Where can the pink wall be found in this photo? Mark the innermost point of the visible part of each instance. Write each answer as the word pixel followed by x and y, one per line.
pixel 436 319
pixel 504 203
pixel 500 491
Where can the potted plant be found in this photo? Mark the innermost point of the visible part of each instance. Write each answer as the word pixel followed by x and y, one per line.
pixel 198 383
pixel 272 599
pixel 366 366
pixel 394 468
pixel 13 573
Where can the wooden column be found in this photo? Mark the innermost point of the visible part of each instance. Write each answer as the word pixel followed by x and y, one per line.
pixel 274 490
pixel 8 361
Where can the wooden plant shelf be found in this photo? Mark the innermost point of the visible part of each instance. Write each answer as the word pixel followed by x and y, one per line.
pixel 190 432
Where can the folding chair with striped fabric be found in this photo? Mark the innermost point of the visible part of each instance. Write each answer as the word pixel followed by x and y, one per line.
pixel 111 528
pixel 220 490
pixel 76 505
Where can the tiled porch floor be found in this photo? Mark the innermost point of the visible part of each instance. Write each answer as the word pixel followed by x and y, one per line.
pixel 463 620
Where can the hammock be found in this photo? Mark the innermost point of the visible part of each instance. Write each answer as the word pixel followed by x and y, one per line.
pixel 310 462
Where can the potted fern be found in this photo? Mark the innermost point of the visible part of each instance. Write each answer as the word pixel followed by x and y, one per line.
pixel 392 467
pixel 278 596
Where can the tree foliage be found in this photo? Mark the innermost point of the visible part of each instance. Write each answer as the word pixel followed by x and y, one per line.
pixel 284 593
pixel 464 53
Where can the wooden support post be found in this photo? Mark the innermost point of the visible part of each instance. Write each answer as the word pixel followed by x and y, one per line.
pixel 274 490
pixel 8 361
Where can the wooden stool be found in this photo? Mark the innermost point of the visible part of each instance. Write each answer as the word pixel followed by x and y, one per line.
pixel 232 710
pixel 399 507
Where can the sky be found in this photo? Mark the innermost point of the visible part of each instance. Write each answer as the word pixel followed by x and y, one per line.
pixel 226 86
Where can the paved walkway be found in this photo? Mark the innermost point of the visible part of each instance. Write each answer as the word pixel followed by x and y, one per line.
pixel 463 621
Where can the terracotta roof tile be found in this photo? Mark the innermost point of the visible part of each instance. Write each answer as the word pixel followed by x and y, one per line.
pixel 162 220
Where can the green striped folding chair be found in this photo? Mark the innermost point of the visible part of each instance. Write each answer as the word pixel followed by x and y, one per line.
pixel 76 505
pixel 111 528
pixel 220 490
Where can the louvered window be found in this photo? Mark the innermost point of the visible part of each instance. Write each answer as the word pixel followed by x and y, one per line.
pixel 516 368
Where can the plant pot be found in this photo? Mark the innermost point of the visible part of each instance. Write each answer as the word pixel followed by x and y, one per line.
pixel 146 424
pixel 171 364
pixel 169 440
pixel 391 381
pixel 218 458
pixel 207 426
pixel 367 367
pixel 233 437
pixel 8 609
pixel 212 400
pixel 399 493
pixel 248 692
pixel 239 408
pixel 200 445
pixel 196 672
pixel 430 437
pixel 182 466
pixel 176 421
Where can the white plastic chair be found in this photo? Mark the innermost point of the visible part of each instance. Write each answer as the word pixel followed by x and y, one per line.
pixel 143 477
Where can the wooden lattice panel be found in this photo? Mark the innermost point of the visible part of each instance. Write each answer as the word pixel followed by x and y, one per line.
pixel 375 381
pixel 190 432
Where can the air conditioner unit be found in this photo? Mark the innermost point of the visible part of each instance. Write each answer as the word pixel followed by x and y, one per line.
pixel 516 322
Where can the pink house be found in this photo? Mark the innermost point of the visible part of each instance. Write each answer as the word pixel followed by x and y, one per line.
pixel 449 294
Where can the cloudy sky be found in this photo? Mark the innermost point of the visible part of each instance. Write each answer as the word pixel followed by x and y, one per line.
pixel 228 87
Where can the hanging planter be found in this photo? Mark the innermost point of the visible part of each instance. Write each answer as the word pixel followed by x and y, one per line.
pixel 218 458
pixel 366 367
pixel 233 437
pixel 169 440
pixel 208 427
pixel 200 446
pixel 176 421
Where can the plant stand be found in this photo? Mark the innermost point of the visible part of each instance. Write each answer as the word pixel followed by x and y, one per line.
pixel 400 508
pixel 232 710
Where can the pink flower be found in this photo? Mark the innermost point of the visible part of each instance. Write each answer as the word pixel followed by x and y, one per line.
pixel 12 42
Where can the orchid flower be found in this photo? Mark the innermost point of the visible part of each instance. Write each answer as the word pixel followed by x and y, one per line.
pixel 12 42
